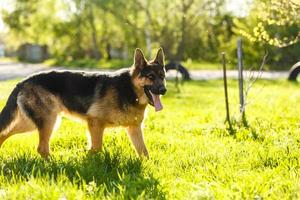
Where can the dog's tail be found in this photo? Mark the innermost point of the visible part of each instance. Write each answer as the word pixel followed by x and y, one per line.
pixel 9 111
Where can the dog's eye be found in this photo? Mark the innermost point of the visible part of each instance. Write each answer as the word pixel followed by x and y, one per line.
pixel 151 77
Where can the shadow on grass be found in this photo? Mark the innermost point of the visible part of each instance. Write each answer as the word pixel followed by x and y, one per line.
pixel 103 169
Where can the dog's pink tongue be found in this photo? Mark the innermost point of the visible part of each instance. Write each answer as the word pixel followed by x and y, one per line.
pixel 157 103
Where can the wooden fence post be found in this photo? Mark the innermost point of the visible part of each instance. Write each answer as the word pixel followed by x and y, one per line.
pixel 225 88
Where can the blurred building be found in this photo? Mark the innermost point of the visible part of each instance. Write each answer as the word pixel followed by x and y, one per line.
pixel 2 49
pixel 34 53
pixel 117 53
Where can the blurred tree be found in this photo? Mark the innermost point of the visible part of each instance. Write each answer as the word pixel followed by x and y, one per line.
pixel 83 28
pixel 28 20
pixel 277 22
pixel 172 25
pixel 273 25
pixel 186 29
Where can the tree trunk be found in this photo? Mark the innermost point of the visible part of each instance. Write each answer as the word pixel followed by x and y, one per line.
pixel 78 53
pixel 96 53
pixel 181 47
pixel 108 48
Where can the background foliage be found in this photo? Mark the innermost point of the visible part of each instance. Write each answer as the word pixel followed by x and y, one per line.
pixel 195 30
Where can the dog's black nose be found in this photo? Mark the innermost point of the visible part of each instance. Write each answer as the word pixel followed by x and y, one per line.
pixel 162 90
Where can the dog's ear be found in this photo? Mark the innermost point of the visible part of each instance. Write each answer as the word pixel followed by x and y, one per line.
pixel 160 57
pixel 139 59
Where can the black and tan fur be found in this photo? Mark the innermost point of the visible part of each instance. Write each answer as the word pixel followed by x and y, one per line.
pixel 101 99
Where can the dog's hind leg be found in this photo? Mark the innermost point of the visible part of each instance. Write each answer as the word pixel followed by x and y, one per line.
pixel 42 108
pixel 96 130
pixel 136 135
pixel 45 131
pixel 44 120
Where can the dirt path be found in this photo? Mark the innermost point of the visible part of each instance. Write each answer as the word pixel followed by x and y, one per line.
pixel 233 74
pixel 20 70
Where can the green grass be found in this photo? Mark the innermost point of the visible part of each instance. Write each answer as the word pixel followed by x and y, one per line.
pixel 8 59
pixel 193 155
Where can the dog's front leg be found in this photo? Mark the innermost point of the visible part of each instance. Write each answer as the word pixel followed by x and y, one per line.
pixel 96 130
pixel 136 135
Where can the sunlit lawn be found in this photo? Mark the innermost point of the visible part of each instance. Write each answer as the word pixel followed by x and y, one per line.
pixel 193 156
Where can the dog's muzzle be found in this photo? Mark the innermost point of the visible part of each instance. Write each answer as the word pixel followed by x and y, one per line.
pixel 154 96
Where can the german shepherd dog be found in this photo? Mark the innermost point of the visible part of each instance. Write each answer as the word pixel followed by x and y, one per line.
pixel 101 99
